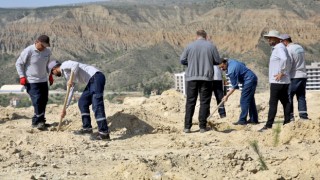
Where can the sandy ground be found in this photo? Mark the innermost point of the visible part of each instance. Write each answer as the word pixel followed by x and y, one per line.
pixel 148 143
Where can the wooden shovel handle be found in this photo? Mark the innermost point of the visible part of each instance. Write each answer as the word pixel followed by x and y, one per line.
pixel 216 109
pixel 66 99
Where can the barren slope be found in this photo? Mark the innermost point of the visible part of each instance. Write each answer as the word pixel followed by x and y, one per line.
pixel 148 143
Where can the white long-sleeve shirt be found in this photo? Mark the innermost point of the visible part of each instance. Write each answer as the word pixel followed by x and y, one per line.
pixel 280 62
pixel 217 73
pixel 82 72
pixel 296 53
pixel 33 64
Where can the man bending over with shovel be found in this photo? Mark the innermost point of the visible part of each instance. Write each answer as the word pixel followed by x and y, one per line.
pixel 238 73
pixel 92 94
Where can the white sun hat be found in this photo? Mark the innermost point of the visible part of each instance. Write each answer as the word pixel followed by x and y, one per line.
pixel 273 33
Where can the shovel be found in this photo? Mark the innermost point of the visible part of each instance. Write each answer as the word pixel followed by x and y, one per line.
pixel 66 99
pixel 211 124
pixel 216 109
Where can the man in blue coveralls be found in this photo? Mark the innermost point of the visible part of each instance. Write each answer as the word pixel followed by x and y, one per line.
pixel 240 74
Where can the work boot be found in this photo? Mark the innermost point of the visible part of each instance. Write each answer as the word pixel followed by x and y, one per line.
pixel 83 131
pixel 47 125
pixel 100 136
pixel 41 126
pixel 252 122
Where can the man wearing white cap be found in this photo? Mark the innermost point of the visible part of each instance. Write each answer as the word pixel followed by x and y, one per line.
pixel 279 78
pixel 298 76
pixel 92 95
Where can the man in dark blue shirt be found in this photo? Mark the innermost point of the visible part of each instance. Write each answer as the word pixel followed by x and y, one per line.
pixel 238 73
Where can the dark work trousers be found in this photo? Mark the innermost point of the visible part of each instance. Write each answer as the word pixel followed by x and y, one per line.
pixel 204 88
pixel 278 92
pixel 248 103
pixel 298 88
pixel 218 91
pixel 38 93
pixel 93 94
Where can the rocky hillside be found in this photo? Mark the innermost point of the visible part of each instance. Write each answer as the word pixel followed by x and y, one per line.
pixel 126 38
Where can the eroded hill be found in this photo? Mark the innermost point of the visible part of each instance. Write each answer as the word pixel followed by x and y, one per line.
pixel 126 37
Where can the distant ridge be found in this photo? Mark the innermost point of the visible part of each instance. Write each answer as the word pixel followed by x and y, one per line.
pixel 121 38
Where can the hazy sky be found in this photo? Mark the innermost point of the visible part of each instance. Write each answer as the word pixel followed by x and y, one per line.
pixel 39 3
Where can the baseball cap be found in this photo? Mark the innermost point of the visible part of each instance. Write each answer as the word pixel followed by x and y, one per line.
pixel 285 36
pixel 53 64
pixel 45 40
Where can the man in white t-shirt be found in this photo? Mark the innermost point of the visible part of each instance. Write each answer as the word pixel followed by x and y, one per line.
pixel 298 75
pixel 92 95
pixel 218 90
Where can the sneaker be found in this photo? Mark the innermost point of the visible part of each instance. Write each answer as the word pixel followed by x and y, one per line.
pixel 187 131
pixel 83 131
pixel 239 123
pixel 304 118
pixel 100 136
pixel 264 129
pixel 203 130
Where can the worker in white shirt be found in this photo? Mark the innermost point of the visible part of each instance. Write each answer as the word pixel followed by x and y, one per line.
pixel 218 90
pixel 298 76
pixel 279 78
pixel 92 95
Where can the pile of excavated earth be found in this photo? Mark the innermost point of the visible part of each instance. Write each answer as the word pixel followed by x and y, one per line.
pixel 147 142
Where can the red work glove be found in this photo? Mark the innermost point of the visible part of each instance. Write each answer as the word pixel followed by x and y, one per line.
pixel 23 81
pixel 50 79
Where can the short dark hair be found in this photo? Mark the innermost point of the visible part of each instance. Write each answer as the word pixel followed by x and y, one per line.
pixel 224 61
pixel 202 33
pixel 289 40
pixel 44 39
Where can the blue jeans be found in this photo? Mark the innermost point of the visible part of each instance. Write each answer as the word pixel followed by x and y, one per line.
pixel 298 88
pixel 248 103
pixel 93 94
pixel 38 93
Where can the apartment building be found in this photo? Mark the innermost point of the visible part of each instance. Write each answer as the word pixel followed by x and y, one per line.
pixel 313 73
pixel 180 83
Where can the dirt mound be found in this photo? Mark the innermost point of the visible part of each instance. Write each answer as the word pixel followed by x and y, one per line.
pixel 302 131
pixel 148 143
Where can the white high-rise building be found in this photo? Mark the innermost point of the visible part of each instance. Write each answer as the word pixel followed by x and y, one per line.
pixel 180 83
pixel 313 74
